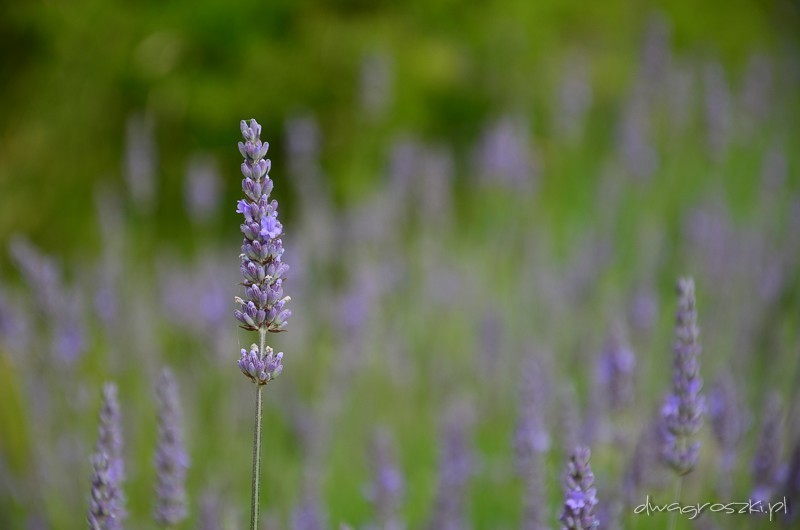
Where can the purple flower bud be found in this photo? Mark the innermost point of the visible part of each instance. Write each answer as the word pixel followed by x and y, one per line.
pixel 251 189
pixel 260 369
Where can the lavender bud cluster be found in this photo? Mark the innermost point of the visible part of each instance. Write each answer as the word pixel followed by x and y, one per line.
pixel 683 409
pixel 260 369
pixel 580 495
pixel 263 308
pixel 171 459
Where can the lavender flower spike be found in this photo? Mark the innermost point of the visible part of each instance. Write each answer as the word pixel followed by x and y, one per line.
pixel 171 459
pixel 262 270
pixel 579 492
pixel 683 409
pixel 101 505
pixel 263 308
pixel 107 505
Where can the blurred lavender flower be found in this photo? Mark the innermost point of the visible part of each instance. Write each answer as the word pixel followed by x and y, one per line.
pixel 615 371
pixel 636 150
pixel 202 187
pixel 727 424
pixel 140 161
pixel 262 269
pixel 41 273
pixel 69 335
pixel 455 469
pixel 574 99
pixel 643 471
pixel 530 442
pixel 569 417
pixel 656 49
pixel 109 443
pixel 766 461
pixel 682 412
pixel 579 492
pixel 504 155
pixel 308 514
pixel 681 98
pixel 386 491
pixel 210 516
pixel 14 325
pixel 792 486
pixel 107 504
pixel 755 99
pixel 102 508
pixel 377 79
pixel 171 460
pixel 718 108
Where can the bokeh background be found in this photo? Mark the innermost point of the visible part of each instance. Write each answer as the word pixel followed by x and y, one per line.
pixel 485 207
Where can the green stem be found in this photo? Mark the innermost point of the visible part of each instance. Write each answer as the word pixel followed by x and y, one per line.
pixel 674 515
pixel 254 503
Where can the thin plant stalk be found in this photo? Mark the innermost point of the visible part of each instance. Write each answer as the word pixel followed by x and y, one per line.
pixel 257 442
pixel 673 517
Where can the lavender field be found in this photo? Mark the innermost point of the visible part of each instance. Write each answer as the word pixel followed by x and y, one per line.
pixel 518 278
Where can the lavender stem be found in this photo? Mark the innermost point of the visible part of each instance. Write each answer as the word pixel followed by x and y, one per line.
pixel 257 441
pixel 674 515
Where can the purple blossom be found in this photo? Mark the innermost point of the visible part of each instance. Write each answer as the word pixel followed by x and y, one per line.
pixel 683 409
pixel 171 460
pixel 580 496
pixel 263 273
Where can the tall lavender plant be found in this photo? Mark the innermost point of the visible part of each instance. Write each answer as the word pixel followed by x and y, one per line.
pixel 263 274
pixel 171 459
pixel 683 409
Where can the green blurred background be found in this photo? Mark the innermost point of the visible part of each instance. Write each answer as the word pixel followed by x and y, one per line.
pixel 638 187
pixel 74 72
